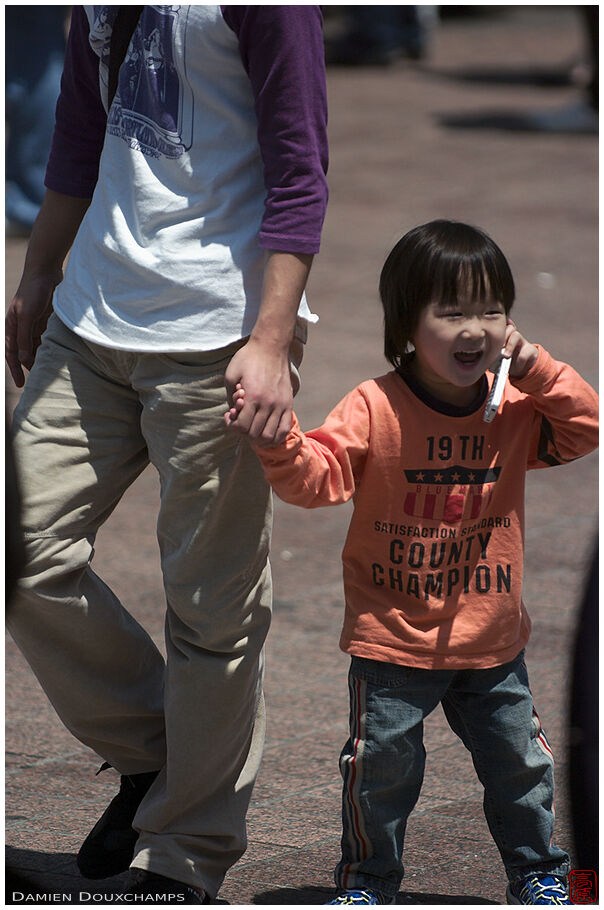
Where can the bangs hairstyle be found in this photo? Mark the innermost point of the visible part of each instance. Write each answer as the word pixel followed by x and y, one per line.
pixel 439 261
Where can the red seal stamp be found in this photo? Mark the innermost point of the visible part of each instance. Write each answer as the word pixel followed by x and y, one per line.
pixel 583 886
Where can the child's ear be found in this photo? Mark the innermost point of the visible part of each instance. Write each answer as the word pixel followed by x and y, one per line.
pixel 410 347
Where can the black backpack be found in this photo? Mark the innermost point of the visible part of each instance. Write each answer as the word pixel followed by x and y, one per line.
pixel 123 29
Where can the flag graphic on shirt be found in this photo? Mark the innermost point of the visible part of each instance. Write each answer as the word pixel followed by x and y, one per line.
pixel 450 494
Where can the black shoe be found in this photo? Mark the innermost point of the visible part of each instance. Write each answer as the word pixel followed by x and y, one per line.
pixel 109 848
pixel 163 890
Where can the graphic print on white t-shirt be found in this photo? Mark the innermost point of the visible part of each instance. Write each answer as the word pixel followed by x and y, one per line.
pixel 153 107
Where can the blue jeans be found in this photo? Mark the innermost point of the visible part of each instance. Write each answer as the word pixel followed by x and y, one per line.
pixel 382 766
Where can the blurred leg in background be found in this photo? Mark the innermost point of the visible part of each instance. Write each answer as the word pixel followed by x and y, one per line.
pixel 582 114
pixel 591 16
pixel 35 48
pixel 379 35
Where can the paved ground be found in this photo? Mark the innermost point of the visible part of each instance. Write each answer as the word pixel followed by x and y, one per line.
pixel 398 159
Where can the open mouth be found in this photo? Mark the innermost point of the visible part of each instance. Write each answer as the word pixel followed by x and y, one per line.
pixel 468 358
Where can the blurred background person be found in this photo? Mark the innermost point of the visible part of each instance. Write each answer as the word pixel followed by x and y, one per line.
pixel 584 726
pixel 34 52
pixel 379 35
pixel 582 114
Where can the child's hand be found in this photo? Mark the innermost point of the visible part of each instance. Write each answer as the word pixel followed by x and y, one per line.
pixel 230 418
pixel 523 353
pixel 238 399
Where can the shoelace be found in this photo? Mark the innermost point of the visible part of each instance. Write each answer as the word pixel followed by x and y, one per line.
pixel 549 888
pixel 357 897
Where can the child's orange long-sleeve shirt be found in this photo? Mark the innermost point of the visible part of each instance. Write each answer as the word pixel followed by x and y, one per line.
pixel 433 560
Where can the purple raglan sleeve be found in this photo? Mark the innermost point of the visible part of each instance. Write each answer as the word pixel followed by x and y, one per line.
pixel 80 122
pixel 282 51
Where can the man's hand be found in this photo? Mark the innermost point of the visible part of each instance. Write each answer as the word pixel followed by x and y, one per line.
pixel 264 411
pixel 26 320
pixel 261 366
pixel 51 239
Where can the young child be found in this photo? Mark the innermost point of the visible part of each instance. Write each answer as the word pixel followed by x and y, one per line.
pixel 433 560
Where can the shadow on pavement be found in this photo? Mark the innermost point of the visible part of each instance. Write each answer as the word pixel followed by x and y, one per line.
pixel 576 118
pixel 318 896
pixel 33 876
pixel 36 877
pixel 511 121
pixel 541 77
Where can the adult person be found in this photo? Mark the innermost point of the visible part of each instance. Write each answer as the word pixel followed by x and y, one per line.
pixel 192 206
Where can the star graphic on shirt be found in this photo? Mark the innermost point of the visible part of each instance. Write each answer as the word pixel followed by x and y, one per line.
pixel 456 474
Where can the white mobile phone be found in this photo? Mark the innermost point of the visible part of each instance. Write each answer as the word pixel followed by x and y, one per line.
pixel 496 393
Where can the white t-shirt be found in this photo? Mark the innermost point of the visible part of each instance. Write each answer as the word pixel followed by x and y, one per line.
pixel 167 256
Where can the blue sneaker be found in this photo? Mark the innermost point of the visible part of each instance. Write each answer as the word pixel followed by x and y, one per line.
pixel 361 896
pixel 538 889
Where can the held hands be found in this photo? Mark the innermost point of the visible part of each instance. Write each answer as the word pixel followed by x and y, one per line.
pixel 238 399
pixel 259 386
pixel 260 370
pixel 523 353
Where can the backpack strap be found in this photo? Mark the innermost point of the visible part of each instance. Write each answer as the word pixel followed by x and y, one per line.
pixel 123 29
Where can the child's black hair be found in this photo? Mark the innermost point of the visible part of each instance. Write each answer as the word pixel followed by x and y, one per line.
pixel 438 261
